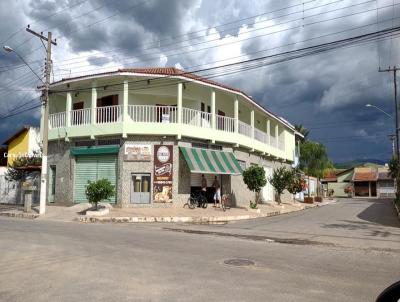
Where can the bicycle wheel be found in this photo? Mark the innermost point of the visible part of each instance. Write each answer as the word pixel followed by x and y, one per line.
pixel 204 202
pixel 223 203
pixel 192 202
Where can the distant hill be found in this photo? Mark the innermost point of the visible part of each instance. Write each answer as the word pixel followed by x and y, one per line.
pixel 361 162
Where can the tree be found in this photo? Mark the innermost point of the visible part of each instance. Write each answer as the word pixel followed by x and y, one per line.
pixel 314 159
pixel 16 171
pixel 394 172
pixel 99 190
pixel 296 183
pixel 302 130
pixel 254 178
pixel 280 180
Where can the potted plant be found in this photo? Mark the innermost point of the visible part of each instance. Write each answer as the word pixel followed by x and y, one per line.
pixel 99 190
pixel 349 190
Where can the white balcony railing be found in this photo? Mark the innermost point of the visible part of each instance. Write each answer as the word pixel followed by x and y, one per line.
pixel 57 120
pixel 244 129
pixel 161 114
pixel 196 118
pixel 261 136
pixel 152 114
pixel 225 123
pixel 281 144
pixel 109 114
pixel 80 117
pixel 273 141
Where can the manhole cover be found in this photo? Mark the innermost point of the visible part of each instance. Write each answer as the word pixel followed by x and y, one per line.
pixel 239 262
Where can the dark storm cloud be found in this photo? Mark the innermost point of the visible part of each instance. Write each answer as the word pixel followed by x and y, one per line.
pixel 326 93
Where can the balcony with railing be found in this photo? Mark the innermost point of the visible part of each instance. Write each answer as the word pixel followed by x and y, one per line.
pixel 142 119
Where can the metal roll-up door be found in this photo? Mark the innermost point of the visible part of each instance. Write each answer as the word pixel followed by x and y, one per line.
pixel 91 168
pixel 195 179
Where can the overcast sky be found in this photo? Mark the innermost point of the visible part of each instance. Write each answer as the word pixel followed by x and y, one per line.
pixel 327 92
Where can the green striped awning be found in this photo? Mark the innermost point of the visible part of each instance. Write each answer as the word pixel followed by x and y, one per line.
pixel 210 161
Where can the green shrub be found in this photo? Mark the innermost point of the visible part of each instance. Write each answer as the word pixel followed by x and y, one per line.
pixel 99 190
pixel 281 178
pixel 254 178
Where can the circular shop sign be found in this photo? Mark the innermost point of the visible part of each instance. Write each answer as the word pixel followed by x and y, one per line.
pixel 163 154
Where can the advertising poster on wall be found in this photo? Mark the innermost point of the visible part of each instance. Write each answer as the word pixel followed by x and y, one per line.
pixel 135 152
pixel 163 169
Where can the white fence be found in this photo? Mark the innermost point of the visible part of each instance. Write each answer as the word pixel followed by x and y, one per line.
pixel 81 117
pixel 244 129
pixel 196 118
pixel 57 120
pixel 152 114
pixel 225 123
pixel 109 114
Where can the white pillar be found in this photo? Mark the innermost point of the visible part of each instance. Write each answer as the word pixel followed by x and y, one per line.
pixel 125 116
pixel 269 131
pixel 93 106
pixel 236 109
pixel 68 109
pixel 179 102
pixel 252 122
pixel 213 114
pixel 277 135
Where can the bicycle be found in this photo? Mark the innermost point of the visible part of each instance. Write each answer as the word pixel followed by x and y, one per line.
pixel 225 202
pixel 197 200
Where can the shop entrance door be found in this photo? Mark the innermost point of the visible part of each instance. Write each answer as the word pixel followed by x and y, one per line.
pixel 140 188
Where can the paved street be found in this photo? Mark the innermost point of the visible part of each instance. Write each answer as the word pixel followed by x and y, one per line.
pixel 346 251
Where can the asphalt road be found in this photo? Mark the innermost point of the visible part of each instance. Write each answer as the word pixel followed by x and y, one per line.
pixel 347 251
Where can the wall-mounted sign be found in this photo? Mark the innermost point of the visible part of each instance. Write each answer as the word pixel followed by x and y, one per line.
pixel 163 170
pixel 135 152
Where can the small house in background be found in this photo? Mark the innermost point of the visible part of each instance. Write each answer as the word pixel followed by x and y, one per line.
pixel 386 184
pixel 365 181
pixel 337 181
pixel 24 142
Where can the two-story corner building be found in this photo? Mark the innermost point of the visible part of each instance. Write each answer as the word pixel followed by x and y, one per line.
pixel 153 132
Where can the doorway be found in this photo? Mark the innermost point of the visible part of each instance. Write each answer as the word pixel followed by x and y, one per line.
pixel 140 188
pixel 52 184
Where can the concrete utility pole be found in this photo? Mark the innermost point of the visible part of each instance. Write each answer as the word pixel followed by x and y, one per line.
pixel 45 104
pixel 394 70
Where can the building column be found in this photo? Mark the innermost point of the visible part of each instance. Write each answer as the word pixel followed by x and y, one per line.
pixel 213 114
pixel 369 189
pixel 252 122
pixel 277 135
pixel 125 101
pixel 93 112
pixel 68 109
pixel 236 114
pixel 179 105
pixel 269 131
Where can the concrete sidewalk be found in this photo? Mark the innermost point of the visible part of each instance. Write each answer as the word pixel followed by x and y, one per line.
pixel 134 215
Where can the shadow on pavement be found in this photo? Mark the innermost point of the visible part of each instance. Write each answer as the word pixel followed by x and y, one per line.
pixel 381 212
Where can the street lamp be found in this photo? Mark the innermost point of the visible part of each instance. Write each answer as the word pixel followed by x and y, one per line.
pixel 10 49
pixel 396 127
pixel 381 110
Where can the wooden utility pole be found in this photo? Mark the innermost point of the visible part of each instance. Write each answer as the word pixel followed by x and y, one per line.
pixel 45 104
pixel 394 70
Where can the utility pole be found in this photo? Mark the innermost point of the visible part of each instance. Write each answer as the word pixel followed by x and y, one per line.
pixel 394 70
pixel 45 104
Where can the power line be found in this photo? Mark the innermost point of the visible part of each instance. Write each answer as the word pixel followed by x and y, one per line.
pixel 240 41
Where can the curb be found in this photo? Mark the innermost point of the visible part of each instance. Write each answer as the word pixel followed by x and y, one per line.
pixel 20 215
pixel 185 219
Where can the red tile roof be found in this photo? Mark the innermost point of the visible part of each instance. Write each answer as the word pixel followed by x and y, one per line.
pixel 172 71
pixel 365 174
